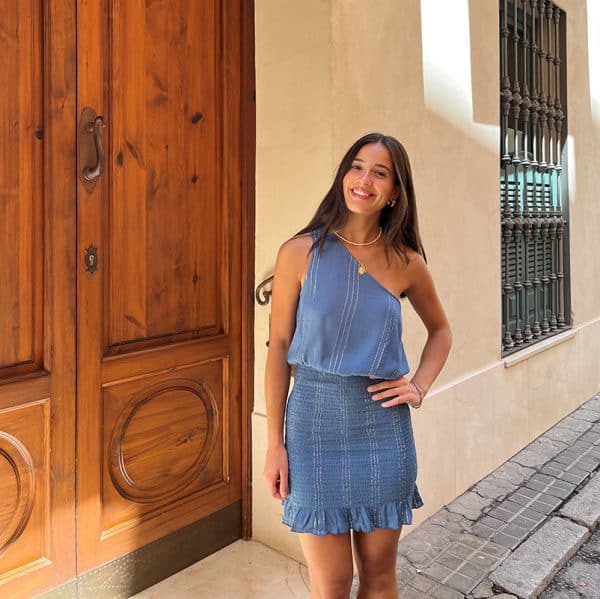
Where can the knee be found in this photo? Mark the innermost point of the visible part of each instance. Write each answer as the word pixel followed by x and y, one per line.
pixel 331 587
pixel 377 575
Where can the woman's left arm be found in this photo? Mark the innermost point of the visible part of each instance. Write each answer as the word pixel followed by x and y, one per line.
pixel 423 296
pixel 424 299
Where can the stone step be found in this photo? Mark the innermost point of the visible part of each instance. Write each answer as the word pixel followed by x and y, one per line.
pixel 528 570
pixel 585 506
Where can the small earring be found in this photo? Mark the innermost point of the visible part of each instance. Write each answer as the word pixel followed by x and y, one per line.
pixel 391 203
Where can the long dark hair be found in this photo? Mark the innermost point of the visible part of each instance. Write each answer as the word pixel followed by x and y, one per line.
pixel 399 222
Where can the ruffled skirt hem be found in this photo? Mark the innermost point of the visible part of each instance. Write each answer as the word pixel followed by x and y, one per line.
pixel 342 520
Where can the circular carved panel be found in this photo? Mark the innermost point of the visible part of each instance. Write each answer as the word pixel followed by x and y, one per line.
pixel 17 478
pixel 9 491
pixel 163 439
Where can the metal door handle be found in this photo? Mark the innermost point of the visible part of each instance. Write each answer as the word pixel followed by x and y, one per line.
pixel 91 173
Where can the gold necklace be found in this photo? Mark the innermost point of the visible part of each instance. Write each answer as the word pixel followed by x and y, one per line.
pixel 361 268
pixel 361 244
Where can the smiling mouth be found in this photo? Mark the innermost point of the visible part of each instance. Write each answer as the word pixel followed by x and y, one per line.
pixel 361 195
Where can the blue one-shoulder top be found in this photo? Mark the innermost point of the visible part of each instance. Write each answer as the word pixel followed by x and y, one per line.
pixel 347 323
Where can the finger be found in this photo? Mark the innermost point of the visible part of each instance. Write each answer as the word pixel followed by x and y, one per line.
pixel 387 385
pixel 273 486
pixel 392 392
pixel 273 490
pixel 283 485
pixel 393 402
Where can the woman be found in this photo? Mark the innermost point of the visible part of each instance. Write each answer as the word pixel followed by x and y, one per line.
pixel 346 468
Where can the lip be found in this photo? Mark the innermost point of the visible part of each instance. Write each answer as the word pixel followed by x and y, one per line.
pixel 361 194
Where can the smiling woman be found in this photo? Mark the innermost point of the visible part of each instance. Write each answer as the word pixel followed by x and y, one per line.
pixel 370 182
pixel 346 469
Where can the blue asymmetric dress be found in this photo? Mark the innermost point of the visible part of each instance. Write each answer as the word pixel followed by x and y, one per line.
pixel 352 463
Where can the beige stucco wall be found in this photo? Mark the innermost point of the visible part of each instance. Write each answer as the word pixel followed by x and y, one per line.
pixel 329 71
pixel 293 162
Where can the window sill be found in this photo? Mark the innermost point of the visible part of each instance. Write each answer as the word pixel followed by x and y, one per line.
pixel 533 350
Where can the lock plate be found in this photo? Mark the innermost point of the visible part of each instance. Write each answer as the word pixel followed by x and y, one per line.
pixel 91 259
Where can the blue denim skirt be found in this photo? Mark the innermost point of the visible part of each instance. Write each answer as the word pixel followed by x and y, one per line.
pixel 352 463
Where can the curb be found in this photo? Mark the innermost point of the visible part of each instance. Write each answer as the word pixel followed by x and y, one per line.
pixel 537 508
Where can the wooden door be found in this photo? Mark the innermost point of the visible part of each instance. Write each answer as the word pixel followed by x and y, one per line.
pixel 161 307
pixel 127 379
pixel 37 295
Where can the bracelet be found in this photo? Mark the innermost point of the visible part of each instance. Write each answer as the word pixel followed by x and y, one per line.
pixel 420 392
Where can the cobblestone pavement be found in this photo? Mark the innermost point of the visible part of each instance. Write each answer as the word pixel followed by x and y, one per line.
pixel 581 576
pixel 511 532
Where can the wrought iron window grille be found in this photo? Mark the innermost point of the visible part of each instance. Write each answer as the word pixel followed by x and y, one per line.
pixel 533 189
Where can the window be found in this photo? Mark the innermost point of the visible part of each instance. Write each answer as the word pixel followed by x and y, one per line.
pixel 533 190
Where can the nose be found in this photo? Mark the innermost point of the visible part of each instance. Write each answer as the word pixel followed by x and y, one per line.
pixel 365 177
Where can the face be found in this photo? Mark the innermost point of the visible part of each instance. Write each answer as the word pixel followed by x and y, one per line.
pixel 370 182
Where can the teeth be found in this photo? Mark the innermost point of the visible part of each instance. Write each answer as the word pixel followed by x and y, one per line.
pixel 361 193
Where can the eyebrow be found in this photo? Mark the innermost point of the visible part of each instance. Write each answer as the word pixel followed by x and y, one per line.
pixel 378 164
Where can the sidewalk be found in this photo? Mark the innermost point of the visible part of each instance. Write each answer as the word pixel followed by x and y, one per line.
pixel 507 536
pixel 510 533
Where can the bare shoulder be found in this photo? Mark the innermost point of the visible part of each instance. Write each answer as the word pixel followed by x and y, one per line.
pixel 293 256
pixel 415 260
pixel 296 249
pixel 299 244
pixel 417 269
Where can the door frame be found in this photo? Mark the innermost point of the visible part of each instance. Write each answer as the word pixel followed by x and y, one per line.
pixel 248 125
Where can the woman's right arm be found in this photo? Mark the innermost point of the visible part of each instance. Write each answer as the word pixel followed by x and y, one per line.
pixel 289 267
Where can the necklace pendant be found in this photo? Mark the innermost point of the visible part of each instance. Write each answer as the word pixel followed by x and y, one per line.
pixel 361 269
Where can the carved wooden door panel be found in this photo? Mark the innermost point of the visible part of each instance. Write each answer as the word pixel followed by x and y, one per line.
pixel 37 296
pixel 124 310
pixel 159 271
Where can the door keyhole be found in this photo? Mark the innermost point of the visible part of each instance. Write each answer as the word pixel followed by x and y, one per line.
pixel 91 259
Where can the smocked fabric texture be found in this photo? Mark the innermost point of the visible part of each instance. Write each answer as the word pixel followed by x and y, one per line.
pixel 352 463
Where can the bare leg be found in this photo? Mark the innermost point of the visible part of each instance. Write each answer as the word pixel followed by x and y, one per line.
pixel 375 554
pixel 329 559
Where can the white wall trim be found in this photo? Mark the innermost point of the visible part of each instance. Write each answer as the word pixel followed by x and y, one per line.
pixel 538 348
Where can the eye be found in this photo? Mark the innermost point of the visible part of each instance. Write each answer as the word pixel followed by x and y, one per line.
pixel 355 167
pixel 380 174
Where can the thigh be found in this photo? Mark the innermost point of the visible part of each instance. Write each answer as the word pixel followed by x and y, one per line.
pixel 329 560
pixel 375 552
